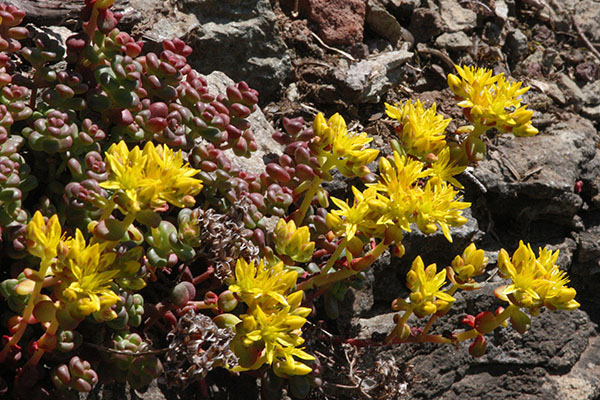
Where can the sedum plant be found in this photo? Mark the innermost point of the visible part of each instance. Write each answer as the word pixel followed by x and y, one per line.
pixel 136 250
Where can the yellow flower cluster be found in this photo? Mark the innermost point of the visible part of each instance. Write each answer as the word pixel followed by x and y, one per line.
pixel 270 330
pixel 149 178
pixel 293 242
pixel 339 148
pixel 470 264
pixel 86 271
pixel 492 101
pixel 407 193
pixel 426 297
pixel 536 282
pixel 422 131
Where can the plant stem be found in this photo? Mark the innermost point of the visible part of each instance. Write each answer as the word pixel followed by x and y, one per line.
pixel 500 318
pixel 310 194
pixel 50 331
pixel 308 197
pixel 27 312
pixel 334 257
pixel 362 263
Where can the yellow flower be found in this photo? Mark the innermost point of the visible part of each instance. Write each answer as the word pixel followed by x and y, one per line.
pixel 150 178
pixel 43 238
pixel 273 337
pixel 470 264
pixel 492 100
pixel 347 220
pixel 536 282
pixel 421 131
pixel 294 243
pixel 440 205
pixel 262 283
pixel 408 201
pixel 86 273
pixel 472 77
pixel 445 170
pixel 345 150
pixel 425 285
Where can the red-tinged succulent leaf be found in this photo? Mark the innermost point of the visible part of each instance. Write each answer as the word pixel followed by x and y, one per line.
pixel 469 320
pixel 477 348
pixel 485 322
pixel 520 321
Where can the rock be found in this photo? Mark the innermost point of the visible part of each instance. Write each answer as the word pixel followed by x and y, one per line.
pixel 455 41
pixel 585 269
pixel 587 71
pixel 501 10
pixel 529 366
pixel 383 23
pixel 572 92
pixel 237 37
pixel 407 4
pixel 366 80
pixel 587 16
pixel 425 24
pixel 550 89
pixel 340 22
pixel 494 34
pixel 591 93
pixel 518 44
pixel 382 324
pixel 583 381
pixel 592 113
pixel 532 66
pixel 528 189
pixel 456 18
pixel 262 129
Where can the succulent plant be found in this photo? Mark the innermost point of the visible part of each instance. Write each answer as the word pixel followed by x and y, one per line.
pixel 129 225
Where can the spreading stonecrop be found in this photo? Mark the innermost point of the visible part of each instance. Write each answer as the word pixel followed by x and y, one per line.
pixel 489 102
pixel 270 330
pixel 536 282
pixel 123 217
pixel 421 131
pixel 147 179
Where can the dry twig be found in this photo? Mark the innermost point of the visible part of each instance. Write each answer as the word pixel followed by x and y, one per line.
pixel 585 40
pixel 322 43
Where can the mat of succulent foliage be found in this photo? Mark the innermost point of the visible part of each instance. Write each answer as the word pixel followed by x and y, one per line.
pixel 135 250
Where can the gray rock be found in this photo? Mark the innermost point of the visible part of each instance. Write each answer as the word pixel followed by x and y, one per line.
pixel 233 36
pixel 262 129
pixel 517 43
pixel 501 10
pixel 586 265
pixel 425 24
pixel 366 80
pixel 592 113
pixel 383 23
pixel 382 324
pixel 591 93
pixel 587 16
pixel 412 4
pixel 529 366
pixel 573 92
pixel 550 89
pixel 583 381
pixel 456 18
pixel 455 41
pixel 528 184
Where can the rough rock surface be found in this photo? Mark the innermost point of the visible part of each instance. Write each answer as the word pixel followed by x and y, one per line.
pixel 340 22
pixel 525 187
pixel 367 80
pixel 239 38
